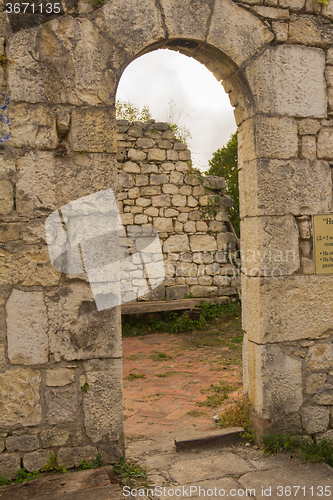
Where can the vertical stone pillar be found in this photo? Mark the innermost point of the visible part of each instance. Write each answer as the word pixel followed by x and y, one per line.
pixel 281 305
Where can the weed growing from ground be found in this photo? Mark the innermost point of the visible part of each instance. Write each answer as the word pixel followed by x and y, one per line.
pixel 130 473
pixel 280 443
pixel 221 393
pixel 160 356
pixel 313 451
pixel 238 415
pixel 135 376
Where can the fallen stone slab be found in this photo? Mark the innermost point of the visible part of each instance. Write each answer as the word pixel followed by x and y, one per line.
pixel 89 484
pixel 226 437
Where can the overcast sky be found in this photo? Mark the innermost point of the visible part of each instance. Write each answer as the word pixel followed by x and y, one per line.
pixel 164 75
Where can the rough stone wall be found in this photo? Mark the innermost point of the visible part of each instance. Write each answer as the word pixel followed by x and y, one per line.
pixel 159 187
pixel 61 76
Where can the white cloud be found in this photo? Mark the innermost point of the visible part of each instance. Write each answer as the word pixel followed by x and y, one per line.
pixel 164 75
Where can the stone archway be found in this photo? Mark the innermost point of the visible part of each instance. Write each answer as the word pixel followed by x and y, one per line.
pixel 61 80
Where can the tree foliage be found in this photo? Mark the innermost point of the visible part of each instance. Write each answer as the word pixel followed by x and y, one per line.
pixel 224 163
pixel 128 111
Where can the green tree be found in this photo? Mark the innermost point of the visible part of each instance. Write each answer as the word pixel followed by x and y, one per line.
pixel 224 163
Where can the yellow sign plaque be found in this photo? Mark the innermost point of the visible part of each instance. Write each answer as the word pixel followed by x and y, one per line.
pixel 323 243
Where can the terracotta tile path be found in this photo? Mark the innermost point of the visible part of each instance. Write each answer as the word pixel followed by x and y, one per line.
pixel 157 404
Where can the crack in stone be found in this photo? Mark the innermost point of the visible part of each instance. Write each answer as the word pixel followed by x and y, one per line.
pixel 159 7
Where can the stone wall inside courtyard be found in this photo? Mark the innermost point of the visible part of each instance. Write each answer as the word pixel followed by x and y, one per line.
pixel 158 186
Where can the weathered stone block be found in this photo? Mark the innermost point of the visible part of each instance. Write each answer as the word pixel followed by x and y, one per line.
pixel 102 403
pixel 62 405
pixel 162 200
pixel 203 243
pixel 59 377
pixel 72 457
pixel 156 154
pixel 75 73
pixel 315 419
pixel 275 137
pixel 203 291
pixel 159 179
pixel 136 155
pixel 27 326
pixel 19 397
pixel 177 292
pixel 281 31
pixel 76 329
pixel 308 31
pixel 35 460
pixel 163 224
pixel 176 243
pixel 285 187
pixel 178 200
pixel 298 301
pixel 309 147
pixel 22 443
pixel 275 384
pixel 308 126
pixel 32 126
pixel 315 382
pixel 320 357
pixel 226 241
pixel 134 26
pixel 270 246
pixel 54 438
pixel 6 196
pixel 325 143
pixel 170 189
pixel 176 178
pixel 52 184
pixel 228 25
pixel 93 130
pixel 131 168
pixel 10 463
pixel 282 79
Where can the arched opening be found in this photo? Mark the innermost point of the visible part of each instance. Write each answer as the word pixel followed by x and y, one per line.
pixel 139 369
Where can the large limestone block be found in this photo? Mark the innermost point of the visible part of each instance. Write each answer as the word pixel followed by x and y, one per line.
pixel 32 126
pixel 267 137
pixel 282 80
pixel 133 25
pixel 228 25
pixel 19 398
pixel 102 403
pixel 62 405
pixel 76 329
pixel 302 305
pixel 28 266
pixel 187 19
pixel 58 181
pixel 93 130
pixel 270 246
pixel 66 61
pixel 272 379
pixel 277 187
pixel 27 328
